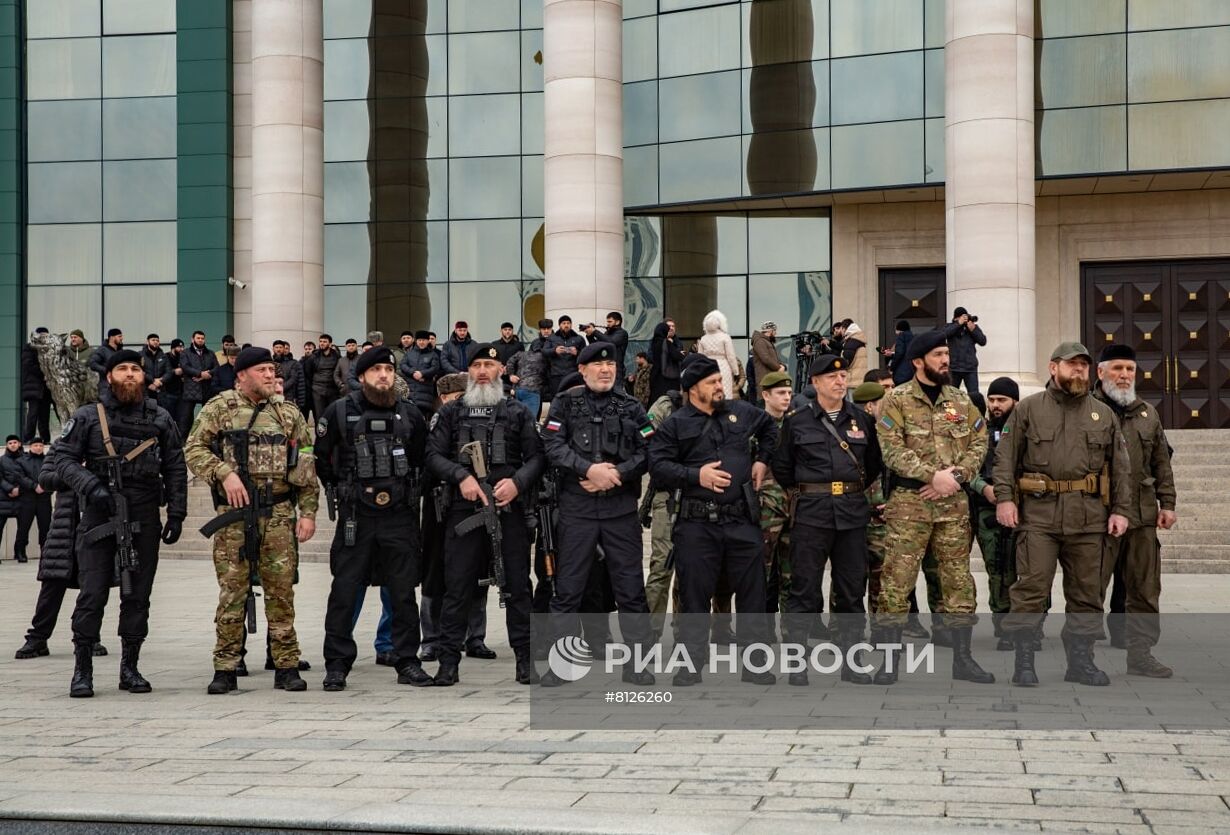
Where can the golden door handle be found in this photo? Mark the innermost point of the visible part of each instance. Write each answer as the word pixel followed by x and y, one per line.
pixel 1167 361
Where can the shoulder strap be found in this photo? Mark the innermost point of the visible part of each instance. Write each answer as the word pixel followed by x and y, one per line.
pixel 845 447
pixel 106 435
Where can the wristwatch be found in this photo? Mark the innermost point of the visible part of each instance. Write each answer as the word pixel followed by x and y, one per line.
pixel 958 477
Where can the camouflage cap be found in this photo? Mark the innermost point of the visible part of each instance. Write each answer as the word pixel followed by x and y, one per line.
pixel 1070 350
pixel 451 384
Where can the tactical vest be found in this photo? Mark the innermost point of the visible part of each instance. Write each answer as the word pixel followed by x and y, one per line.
pixel 485 424
pixel 273 454
pixel 609 436
pixel 377 455
pixel 129 430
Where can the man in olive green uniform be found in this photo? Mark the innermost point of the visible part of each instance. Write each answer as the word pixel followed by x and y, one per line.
pixel 1063 457
pixel 1136 565
pixel 777 390
pixel 282 475
pixel 658 584
pixel 933 440
pixel 994 540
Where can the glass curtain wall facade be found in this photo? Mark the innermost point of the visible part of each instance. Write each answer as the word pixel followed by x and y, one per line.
pixel 1132 85
pixel 101 166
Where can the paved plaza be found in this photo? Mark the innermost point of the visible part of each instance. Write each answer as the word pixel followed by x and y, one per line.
pixel 384 757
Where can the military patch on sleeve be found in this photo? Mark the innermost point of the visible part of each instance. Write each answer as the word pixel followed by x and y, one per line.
pixel 977 424
pixel 68 428
pixel 322 426
pixel 1005 430
pixel 887 422
pixel 646 430
pixel 554 426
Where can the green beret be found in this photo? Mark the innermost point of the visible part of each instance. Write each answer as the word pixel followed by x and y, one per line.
pixel 775 379
pixel 869 392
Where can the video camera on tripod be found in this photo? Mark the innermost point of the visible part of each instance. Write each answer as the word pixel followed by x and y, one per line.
pixel 807 344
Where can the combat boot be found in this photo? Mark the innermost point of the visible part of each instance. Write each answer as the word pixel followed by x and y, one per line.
pixel 846 640
pixel 130 677
pixel 1116 625
pixel 224 682
pixel 446 676
pixel 526 674
pixel 32 648
pixel 20 556
pixel 241 669
pixel 414 675
pixel 82 686
pixel 887 674
pixel 964 667
pixel 941 635
pixel 1140 662
pixel 304 666
pixel 685 678
pixel 915 629
pixel 1081 668
pixel 288 680
pixel 1023 674
pixel 98 649
pixel 335 681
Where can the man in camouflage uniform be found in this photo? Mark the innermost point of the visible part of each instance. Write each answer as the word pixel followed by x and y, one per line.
pixel 658 583
pixel 777 391
pixel 281 467
pixel 934 440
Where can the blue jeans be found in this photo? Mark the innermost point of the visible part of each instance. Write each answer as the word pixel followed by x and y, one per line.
pixel 384 629
pixel 532 401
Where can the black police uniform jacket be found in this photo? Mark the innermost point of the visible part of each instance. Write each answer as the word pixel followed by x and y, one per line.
pixel 508 424
pixel 585 428
pixel 808 453
pixel 156 476
pixel 739 435
pixel 347 423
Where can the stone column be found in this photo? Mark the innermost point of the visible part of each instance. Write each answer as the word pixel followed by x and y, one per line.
pixel 989 195
pixel 583 164
pixel 287 171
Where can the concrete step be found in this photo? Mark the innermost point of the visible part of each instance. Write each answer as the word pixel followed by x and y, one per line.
pixel 1182 536
pixel 1196 566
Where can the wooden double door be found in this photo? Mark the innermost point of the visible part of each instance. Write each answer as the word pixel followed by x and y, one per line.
pixel 1176 315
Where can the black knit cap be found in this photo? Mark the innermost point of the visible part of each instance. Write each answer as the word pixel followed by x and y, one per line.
pixel 1117 352
pixel 696 367
pixel 925 343
pixel 122 356
pixel 373 356
pixel 1004 387
pixel 12 438
pixel 252 356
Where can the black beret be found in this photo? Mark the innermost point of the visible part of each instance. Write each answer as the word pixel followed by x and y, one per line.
pixel 596 351
pixel 372 356
pixel 253 356
pixel 545 323
pixel 570 381
pixel 1117 352
pixel 696 367
pixel 925 343
pixel 1004 387
pixel 122 356
pixel 483 351
pixel 422 334
pixel 827 364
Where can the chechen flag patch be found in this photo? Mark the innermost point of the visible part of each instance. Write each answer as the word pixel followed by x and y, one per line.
pixel 554 425
pixel 646 430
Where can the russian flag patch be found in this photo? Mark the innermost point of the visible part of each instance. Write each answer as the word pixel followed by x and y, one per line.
pixel 554 425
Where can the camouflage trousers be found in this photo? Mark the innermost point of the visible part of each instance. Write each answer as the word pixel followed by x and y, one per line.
pixel 774 527
pixel 876 536
pixel 279 557
pixel 912 526
pixel 999 578
pixel 658 584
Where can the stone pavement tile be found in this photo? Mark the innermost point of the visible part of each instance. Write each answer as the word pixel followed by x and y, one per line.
pixel 941 763
pixel 558 798
pixel 1110 828
pixel 116 806
pixel 1036 781
pixel 1172 829
pixel 302 755
pixel 466 770
pixel 256 743
pixel 439 744
pixel 784 824
pixel 1208 821
pixel 1149 783
pixel 715 771
pixel 766 788
pixel 1130 800
pixel 487 757
pixel 649 760
pixel 853 806
pixel 973 794
pixel 934 740
pixel 200 766
pixel 670 802
pixel 722 749
pixel 1026 811
pixel 250 778
pixel 601 784
pixel 323 795
pixel 855 775
pixel 144 751
pixel 443 784
pixel 1171 769
pixel 981 824
pixel 1035 746
pixel 69 764
pixel 593 746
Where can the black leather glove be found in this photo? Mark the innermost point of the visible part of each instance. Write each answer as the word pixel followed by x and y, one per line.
pixel 100 499
pixel 171 531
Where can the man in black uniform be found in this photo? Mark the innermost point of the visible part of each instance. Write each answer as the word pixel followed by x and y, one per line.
pixel 19 471
pixel 828 454
pixel 143 437
pixel 512 452
pixel 595 437
pixel 369 447
pixel 705 448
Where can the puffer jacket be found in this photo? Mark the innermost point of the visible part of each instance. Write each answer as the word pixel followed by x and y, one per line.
pixel 33 383
pixel 963 346
pixel 8 482
pixel 427 362
pixel 57 560
pixel 455 353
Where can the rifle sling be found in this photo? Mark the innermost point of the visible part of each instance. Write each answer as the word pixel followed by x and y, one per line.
pixel 106 436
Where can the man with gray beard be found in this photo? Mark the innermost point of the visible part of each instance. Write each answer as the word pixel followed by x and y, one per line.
pixel 514 458
pixel 1136 565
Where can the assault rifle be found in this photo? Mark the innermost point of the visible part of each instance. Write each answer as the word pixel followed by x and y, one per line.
pixel 545 507
pixel 1003 557
pixel 121 526
pixel 487 517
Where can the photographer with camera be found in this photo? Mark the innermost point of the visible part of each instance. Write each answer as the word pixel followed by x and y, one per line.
pixel 964 336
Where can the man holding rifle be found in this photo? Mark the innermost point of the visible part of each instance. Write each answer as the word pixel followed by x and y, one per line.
pixel 121 456
pixel 485 448
pixel 255 451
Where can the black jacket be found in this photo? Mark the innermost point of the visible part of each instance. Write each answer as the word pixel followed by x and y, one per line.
pixel 155 366
pixel 318 372
pixel 224 378
pixel 292 381
pixel 174 384
pixel 560 366
pixel 618 337
pixel 507 349
pixel 193 363
pixel 899 363
pixel 809 453
pixel 665 358
pixel 427 362
pixel 10 479
pixel 521 441
pixel 33 383
pixel 21 471
pixel 962 346
pixel 57 562
pixel 455 353
pixel 98 364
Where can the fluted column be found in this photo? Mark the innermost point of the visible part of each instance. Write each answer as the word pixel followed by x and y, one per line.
pixel 583 164
pixel 287 171
pixel 989 195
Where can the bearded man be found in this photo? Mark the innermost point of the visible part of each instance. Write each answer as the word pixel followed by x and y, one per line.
pixel 1136 564
pixel 126 448
pixel 1062 479
pixel 370 447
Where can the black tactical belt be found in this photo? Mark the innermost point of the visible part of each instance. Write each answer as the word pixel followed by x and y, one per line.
pixel 694 509
pixel 910 483
pixel 830 488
